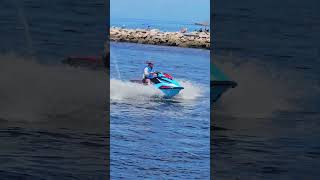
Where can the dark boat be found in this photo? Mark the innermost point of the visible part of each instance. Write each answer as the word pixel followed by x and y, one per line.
pixel 219 83
pixel 88 61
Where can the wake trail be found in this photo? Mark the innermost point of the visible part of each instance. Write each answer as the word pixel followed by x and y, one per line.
pixel 32 92
pixel 129 91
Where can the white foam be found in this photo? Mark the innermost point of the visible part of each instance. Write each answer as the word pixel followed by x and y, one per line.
pixel 124 90
pixel 33 92
pixel 191 90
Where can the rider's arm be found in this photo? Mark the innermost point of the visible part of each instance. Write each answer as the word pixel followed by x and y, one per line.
pixel 146 71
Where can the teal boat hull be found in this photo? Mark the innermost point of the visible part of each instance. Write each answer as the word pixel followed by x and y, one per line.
pixel 219 84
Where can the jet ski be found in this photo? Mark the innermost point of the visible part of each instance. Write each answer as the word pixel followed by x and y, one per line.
pixel 164 82
pixel 219 84
pixel 85 61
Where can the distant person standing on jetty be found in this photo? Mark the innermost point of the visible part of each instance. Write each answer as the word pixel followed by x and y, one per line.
pixel 148 73
pixel 183 30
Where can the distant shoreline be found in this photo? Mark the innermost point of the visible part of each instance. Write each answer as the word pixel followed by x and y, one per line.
pixel 156 37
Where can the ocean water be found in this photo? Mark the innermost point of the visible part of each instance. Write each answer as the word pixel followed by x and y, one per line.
pixel 268 126
pixel 163 25
pixel 152 137
pixel 55 29
pixel 52 117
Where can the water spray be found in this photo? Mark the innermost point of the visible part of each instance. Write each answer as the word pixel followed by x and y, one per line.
pixel 116 64
pixel 23 19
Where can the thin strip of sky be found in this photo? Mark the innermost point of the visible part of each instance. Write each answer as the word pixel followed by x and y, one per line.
pixel 170 10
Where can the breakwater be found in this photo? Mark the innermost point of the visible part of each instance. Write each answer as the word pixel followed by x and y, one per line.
pixel 157 37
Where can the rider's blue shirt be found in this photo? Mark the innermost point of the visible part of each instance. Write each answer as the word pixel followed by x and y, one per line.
pixel 147 72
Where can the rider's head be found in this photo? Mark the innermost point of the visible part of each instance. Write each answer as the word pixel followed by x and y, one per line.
pixel 150 64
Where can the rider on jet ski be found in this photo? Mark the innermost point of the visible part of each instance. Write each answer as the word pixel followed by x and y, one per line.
pixel 148 73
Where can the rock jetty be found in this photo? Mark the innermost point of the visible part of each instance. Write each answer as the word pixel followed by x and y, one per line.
pixel 156 37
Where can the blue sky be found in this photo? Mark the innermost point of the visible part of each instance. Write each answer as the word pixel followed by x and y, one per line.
pixel 173 10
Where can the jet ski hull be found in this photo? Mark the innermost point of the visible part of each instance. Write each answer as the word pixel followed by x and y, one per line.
pixel 219 84
pixel 220 87
pixel 167 86
pixel 171 92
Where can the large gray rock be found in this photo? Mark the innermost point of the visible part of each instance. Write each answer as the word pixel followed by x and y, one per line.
pixel 154 36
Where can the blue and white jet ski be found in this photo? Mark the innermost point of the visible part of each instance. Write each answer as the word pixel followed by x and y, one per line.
pixel 165 82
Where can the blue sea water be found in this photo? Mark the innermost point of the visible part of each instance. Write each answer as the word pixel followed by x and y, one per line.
pixel 52 117
pixel 268 126
pixel 56 29
pixel 152 137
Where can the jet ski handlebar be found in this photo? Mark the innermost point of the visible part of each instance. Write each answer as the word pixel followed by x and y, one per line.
pixel 157 73
pixel 163 74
